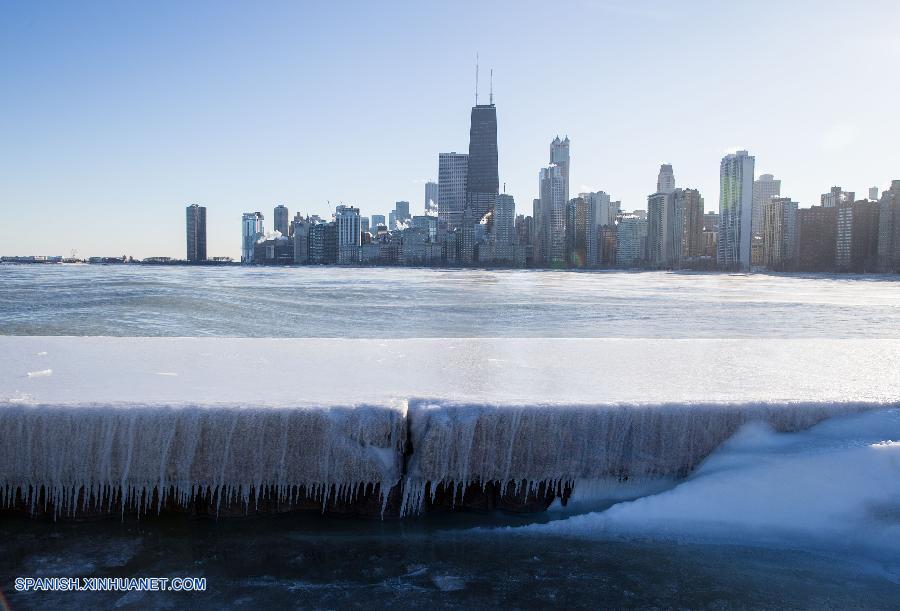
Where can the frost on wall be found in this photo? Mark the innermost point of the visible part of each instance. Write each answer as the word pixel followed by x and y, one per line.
pixel 107 458
pixel 93 457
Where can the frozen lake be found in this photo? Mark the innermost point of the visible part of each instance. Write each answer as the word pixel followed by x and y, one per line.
pixel 804 518
pixel 404 303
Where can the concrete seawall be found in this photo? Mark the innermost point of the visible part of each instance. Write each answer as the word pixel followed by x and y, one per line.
pixel 233 427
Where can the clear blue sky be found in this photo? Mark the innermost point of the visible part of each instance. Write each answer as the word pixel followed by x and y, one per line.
pixel 114 116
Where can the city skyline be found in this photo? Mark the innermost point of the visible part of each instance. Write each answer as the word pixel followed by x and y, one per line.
pixel 84 174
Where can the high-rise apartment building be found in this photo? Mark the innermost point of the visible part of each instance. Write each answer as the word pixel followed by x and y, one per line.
pixel 857 228
pixel 660 230
pixel 816 234
pixel 631 241
pixel 252 229
pixel 282 220
pixel 452 180
pixel 559 156
pixel 889 229
pixel 196 233
pixel 780 234
pixel 873 193
pixel 581 232
pixel 689 205
pixel 349 232
pixel 735 211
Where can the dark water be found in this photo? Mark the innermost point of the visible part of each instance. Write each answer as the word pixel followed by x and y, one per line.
pixel 398 302
pixel 307 562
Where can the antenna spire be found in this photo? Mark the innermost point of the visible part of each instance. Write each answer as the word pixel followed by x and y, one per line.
pixel 492 86
pixel 476 78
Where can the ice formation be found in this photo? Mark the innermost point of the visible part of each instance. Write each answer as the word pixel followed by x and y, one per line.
pixel 142 422
pixel 113 457
pixel 457 444
pixel 109 457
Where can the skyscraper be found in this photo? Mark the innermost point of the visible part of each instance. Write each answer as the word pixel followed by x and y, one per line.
pixel 483 178
pixel 452 179
pixel 551 226
pixel 764 189
pixel 664 223
pixel 504 230
pixel 631 241
pixel 665 181
pixel 431 199
pixel 581 232
pixel 836 196
pixel 735 211
pixel 780 231
pixel 349 233
pixel 606 211
pixel 401 212
pixel 282 220
pixel 559 156
pixel 660 229
pixel 889 229
pixel 690 203
pixel 816 233
pixel 252 229
pixel 196 233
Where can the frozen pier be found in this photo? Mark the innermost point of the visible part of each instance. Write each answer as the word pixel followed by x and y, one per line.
pixel 394 427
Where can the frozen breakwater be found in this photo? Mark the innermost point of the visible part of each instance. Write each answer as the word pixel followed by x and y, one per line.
pixel 394 427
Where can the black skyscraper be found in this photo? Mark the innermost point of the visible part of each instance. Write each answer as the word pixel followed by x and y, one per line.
pixel 196 233
pixel 483 182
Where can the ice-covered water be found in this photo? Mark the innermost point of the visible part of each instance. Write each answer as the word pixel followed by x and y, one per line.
pixel 398 302
pixel 797 518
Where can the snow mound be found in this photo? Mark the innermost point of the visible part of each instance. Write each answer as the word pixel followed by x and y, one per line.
pixel 836 484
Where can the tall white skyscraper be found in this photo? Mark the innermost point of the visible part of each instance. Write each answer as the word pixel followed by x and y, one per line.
pixel 735 210
pixel 559 156
pixel 452 174
pixel 431 199
pixel 764 189
pixel 551 226
pixel 665 182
